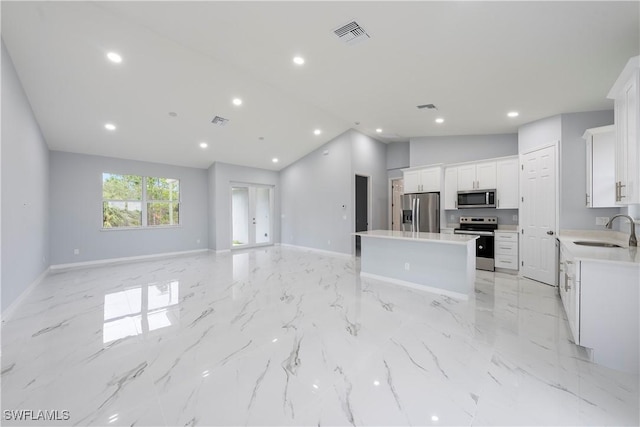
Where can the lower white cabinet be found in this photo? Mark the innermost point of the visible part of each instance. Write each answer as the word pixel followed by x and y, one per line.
pixel 602 302
pixel 506 249
pixel 569 289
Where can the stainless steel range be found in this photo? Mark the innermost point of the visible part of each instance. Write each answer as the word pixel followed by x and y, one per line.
pixel 483 227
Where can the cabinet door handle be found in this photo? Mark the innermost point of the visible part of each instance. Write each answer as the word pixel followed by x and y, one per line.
pixel 618 191
pixel 498 203
pixel 621 185
pixel 586 199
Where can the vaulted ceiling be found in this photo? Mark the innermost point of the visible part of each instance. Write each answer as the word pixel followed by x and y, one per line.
pixel 475 61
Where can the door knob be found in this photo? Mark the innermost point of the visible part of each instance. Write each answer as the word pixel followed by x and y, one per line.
pixel 550 233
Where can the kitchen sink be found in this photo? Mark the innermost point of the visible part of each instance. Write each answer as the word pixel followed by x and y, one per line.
pixel 598 244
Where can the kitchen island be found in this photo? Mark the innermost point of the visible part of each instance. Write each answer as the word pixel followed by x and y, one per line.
pixel 434 262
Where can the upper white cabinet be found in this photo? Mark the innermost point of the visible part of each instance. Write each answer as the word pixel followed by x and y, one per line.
pixel 451 188
pixel 507 188
pixel 500 174
pixel 477 176
pixel 422 180
pixel 626 93
pixel 601 187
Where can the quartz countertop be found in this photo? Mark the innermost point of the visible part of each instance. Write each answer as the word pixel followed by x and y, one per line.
pixel 623 255
pixel 460 239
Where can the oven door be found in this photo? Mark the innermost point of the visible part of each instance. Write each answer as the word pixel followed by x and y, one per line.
pixel 484 248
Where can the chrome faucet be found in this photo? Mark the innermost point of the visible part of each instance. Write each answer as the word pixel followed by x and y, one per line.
pixel 633 241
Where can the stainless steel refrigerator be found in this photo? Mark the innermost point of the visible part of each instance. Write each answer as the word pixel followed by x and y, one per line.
pixel 421 212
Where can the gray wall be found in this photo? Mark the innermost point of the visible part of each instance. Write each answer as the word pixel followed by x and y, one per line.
pixel 221 176
pixel 573 212
pixel 370 159
pixel 76 210
pixel 428 150
pixel 25 196
pixel 398 155
pixel 314 189
pixel 539 134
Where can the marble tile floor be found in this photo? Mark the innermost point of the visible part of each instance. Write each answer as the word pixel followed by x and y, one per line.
pixel 284 336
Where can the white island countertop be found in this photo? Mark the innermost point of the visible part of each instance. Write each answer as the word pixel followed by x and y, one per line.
pixel 456 239
pixel 623 255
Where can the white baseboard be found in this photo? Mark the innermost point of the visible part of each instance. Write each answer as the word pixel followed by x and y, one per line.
pixel 223 251
pixel 75 265
pixel 417 286
pixel 9 311
pixel 322 251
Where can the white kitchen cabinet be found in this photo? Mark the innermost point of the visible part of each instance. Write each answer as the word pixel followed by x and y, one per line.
pixel 477 176
pixel 569 288
pixel 601 301
pixel 451 188
pixel 626 93
pixel 507 188
pixel 424 180
pixel 506 249
pixel 601 180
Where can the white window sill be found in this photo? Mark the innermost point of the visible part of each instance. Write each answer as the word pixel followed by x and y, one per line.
pixel 155 227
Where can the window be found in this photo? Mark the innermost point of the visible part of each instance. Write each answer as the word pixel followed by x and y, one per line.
pixel 139 201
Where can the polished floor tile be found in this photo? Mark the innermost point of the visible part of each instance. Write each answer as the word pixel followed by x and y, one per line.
pixel 282 336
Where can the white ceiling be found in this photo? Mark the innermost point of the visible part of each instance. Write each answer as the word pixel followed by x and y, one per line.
pixel 474 60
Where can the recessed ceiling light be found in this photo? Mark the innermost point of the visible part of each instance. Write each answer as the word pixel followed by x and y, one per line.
pixel 114 57
pixel 298 60
pixel 237 101
pixel 513 114
pixel 203 145
pixel 379 130
pixel 274 160
pixel 439 120
pixel 110 126
pixel 317 132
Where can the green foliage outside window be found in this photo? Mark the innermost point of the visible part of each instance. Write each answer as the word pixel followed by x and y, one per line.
pixel 126 205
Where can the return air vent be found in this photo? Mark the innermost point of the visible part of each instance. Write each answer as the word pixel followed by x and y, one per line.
pixel 351 33
pixel 220 121
pixel 427 106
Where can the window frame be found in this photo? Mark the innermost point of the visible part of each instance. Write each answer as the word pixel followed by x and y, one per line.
pixel 143 204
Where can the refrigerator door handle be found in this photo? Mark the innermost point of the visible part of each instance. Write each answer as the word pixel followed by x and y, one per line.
pixel 418 214
pixel 413 214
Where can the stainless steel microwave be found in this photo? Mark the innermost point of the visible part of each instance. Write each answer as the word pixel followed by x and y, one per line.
pixel 476 199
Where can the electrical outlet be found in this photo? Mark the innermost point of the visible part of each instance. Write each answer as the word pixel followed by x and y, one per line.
pixel 76 251
pixel 407 266
pixel 602 220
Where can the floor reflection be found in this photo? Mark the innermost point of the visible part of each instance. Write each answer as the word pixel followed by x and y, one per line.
pixel 139 310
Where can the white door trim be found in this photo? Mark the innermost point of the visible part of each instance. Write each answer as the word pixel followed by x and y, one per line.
pixel 272 208
pixel 556 146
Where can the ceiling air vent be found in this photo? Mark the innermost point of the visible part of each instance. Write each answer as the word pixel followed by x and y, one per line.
pixel 220 121
pixel 427 106
pixel 351 33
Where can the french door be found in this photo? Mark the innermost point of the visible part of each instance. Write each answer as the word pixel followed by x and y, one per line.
pixel 251 215
pixel 538 214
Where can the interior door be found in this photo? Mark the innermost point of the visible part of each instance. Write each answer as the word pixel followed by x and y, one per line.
pixel 538 215
pixel 397 189
pixel 251 215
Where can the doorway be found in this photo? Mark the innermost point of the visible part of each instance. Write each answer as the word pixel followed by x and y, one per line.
pixel 538 212
pixel 251 215
pixel 397 190
pixel 362 207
